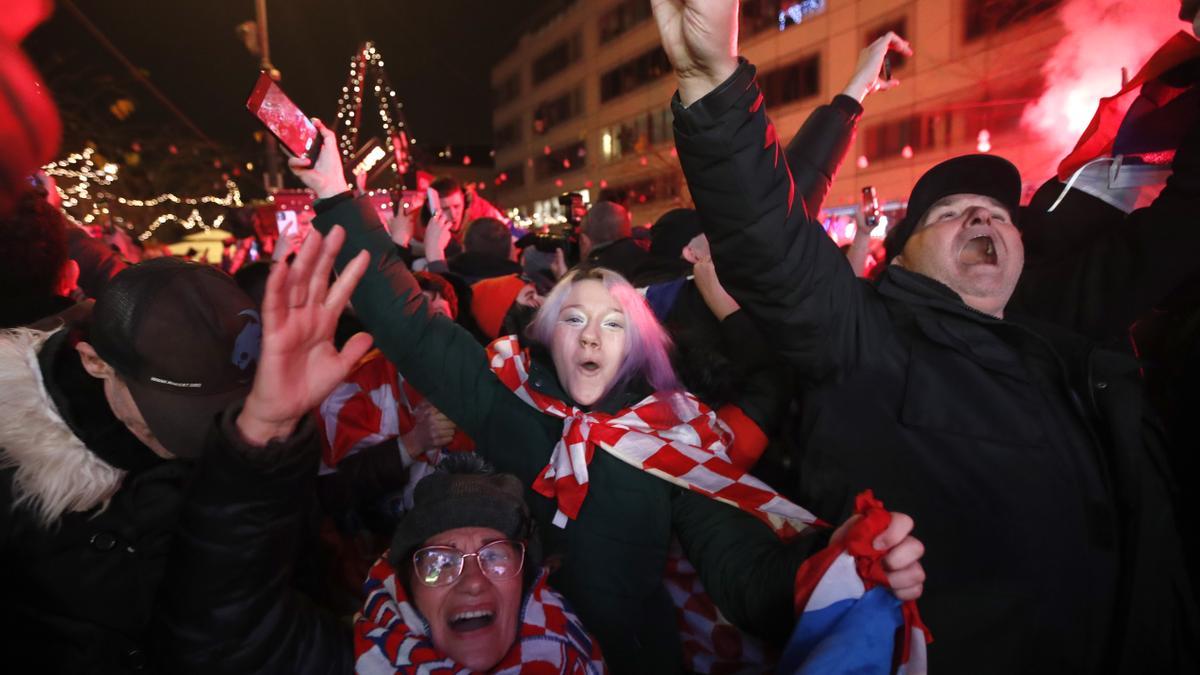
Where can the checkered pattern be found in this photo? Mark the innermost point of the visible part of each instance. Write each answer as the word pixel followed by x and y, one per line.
pixel 391 636
pixel 676 438
pixel 711 644
pixel 374 404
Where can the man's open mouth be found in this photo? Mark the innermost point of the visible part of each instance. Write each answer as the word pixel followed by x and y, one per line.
pixel 979 250
pixel 465 622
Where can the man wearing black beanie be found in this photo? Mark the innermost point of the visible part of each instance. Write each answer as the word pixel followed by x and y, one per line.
pixel 1027 452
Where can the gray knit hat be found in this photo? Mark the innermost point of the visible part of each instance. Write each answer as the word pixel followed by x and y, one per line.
pixel 464 492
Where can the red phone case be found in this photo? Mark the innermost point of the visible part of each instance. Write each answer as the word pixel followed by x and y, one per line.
pixel 282 117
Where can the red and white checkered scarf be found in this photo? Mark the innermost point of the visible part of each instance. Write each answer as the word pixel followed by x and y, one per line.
pixel 676 438
pixel 391 636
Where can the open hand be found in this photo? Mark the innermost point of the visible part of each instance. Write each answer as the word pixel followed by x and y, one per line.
pixel 867 77
pixel 299 365
pixel 700 38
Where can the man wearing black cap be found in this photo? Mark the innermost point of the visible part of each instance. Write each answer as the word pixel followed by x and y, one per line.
pixel 88 417
pixel 1026 452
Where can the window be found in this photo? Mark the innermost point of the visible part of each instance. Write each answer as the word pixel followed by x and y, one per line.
pixel 509 134
pixel 760 15
pixel 899 27
pixel 556 59
pixel 757 16
pixel 508 89
pixel 557 110
pixel 511 176
pixel 636 135
pixel 560 161
pixel 792 82
pixel 646 190
pixel 985 17
pixel 620 19
pixel 916 132
pixel 634 73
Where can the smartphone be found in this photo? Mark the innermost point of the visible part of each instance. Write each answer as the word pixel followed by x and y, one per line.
pixel 887 68
pixel 287 223
pixel 870 207
pixel 284 119
pixel 432 202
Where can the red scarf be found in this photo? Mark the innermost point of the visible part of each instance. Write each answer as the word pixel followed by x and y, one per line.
pixel 391 636
pixel 676 438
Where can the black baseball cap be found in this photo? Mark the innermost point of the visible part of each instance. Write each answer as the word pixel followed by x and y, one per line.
pixel 185 340
pixel 986 175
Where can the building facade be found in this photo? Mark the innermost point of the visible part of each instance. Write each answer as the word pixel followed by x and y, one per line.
pixel 582 103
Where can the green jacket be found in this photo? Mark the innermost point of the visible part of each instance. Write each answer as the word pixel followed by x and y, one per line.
pixel 613 555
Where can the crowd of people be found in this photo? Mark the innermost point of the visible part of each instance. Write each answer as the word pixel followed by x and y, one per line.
pixel 425 446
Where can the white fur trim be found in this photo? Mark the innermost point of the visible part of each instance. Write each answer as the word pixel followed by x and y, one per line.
pixel 55 472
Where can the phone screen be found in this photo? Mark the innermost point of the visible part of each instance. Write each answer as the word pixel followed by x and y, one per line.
pixel 289 124
pixel 287 223
pixel 432 201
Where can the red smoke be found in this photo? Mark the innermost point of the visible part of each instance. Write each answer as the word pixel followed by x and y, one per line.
pixel 1102 37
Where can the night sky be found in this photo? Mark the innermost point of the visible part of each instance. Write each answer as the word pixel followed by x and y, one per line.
pixel 437 53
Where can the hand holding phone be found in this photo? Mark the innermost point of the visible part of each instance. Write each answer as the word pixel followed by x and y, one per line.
pixel 324 176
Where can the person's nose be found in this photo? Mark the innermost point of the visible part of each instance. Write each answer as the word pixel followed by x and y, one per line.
pixel 978 215
pixel 472 580
pixel 589 337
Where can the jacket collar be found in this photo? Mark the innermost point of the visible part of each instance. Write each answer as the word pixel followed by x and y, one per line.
pixel 55 472
pixel 941 315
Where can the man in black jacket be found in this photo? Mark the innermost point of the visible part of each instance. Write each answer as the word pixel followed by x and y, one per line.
pixel 1025 451
pixel 93 416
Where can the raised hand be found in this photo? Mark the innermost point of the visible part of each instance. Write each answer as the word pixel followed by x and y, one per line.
pixel 867 77
pixel 719 301
pixel 700 38
pixel 325 177
pixel 437 236
pixel 299 365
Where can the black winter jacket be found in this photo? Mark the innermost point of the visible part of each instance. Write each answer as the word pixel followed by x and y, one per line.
pixel 79 594
pixel 229 604
pixel 1025 454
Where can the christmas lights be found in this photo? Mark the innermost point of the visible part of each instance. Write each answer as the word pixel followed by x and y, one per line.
pixel 82 167
pixel 367 60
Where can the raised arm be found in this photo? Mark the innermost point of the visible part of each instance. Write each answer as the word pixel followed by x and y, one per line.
pixel 438 357
pixel 775 260
pixel 1100 286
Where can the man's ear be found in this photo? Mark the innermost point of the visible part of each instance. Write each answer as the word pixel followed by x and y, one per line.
pixel 689 255
pixel 92 363
pixel 68 279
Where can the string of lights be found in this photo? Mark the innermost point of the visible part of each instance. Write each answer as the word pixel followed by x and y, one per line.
pixel 85 193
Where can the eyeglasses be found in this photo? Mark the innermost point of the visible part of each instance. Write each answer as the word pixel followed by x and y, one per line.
pixel 443 565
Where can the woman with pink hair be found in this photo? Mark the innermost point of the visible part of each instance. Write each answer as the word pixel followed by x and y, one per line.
pixel 617 461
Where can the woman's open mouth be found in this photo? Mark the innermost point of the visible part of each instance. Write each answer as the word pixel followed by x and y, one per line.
pixel 465 622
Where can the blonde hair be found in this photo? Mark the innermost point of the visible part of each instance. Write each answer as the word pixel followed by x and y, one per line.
pixel 647 345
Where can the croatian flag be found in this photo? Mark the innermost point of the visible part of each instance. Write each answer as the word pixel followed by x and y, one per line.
pixel 849 620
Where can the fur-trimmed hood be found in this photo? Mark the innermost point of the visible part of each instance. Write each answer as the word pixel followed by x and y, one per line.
pixel 55 472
